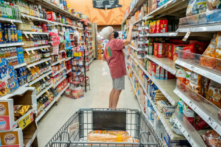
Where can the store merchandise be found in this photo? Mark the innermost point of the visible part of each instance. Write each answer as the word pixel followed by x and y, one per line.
pixel 109 136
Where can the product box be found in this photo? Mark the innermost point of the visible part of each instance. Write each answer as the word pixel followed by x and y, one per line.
pixel 7 119
pixel 161 26
pixel 162 73
pixel 11 138
pixel 170 48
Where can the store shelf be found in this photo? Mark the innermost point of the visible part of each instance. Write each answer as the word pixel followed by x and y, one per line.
pixel 166 124
pixel 10 20
pixel 205 110
pixel 133 24
pixel 59 61
pixel 189 131
pixel 51 104
pixel 68 71
pixel 48 21
pixel 46 89
pixel 165 86
pixel 166 63
pixel 170 7
pixel 40 78
pixel 215 76
pixel 40 33
pixel 21 89
pixel 57 72
pixel 39 62
pixel 60 81
pixel 69 58
pixel 90 61
pixel 19 65
pixel 135 9
pixel 36 48
pixel 11 44
pixel 168 34
pixel 53 7
pixel 213 27
pixel 136 49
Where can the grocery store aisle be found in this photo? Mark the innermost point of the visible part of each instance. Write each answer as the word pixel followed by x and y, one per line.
pixel 97 97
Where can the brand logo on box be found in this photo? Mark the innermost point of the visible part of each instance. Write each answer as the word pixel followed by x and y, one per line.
pixel 2 109
pixel 2 123
pixel 10 138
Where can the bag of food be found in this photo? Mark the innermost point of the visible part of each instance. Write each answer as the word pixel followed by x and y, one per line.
pixel 214 93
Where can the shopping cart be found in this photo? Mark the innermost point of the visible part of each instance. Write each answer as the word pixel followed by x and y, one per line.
pixel 74 132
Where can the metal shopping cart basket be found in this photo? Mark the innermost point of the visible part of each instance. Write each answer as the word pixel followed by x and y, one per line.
pixel 74 132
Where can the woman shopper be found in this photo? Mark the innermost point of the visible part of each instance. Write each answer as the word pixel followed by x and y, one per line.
pixel 114 56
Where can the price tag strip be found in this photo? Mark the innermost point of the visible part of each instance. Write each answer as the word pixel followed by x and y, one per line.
pixel 216 125
pixel 25 120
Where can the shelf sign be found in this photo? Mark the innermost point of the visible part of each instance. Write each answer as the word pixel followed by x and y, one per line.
pixel 23 123
pixel 103 4
pixel 78 54
pixel 186 36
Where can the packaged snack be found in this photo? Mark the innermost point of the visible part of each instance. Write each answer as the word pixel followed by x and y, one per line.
pixel 195 86
pixel 213 4
pixel 213 94
pixel 189 115
pixel 200 123
pixel 161 26
pixel 181 79
pixel 170 51
pixel 212 138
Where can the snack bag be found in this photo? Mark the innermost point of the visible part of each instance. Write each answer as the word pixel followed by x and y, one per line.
pixel 188 114
pixel 205 86
pixel 210 52
pixel 200 123
pixel 218 51
pixel 181 79
pixel 195 86
pixel 214 93
pixel 212 138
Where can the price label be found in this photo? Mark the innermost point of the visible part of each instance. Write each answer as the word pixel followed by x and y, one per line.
pixel 43 79
pixel 186 36
pixel 26 36
pixel 28 52
pixel 31 35
pixel 210 121
pixel 34 66
pixel 26 121
pixel 77 54
pixel 32 52
pixel 47 76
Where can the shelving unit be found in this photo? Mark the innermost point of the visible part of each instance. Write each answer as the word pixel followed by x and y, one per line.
pixel 39 78
pixel 59 61
pixel 36 48
pixel 38 62
pixel 51 104
pixel 208 111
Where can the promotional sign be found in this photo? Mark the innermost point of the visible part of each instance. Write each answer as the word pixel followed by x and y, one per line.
pixel 109 4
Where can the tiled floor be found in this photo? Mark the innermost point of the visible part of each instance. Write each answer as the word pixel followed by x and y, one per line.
pixel 97 97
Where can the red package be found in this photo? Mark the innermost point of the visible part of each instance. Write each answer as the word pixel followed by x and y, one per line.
pixel 168 75
pixel 200 123
pixel 156 46
pixel 166 50
pixel 51 16
pixel 188 50
pixel 188 114
pixel 170 51
pixel 161 26
pixel 201 46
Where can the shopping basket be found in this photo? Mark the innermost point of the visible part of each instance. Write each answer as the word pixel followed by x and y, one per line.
pixel 74 132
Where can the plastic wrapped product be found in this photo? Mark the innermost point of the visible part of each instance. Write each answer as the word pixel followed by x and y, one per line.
pixel 212 139
pixel 213 94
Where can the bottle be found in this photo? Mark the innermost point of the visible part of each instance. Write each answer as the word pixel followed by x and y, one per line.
pixel 3 9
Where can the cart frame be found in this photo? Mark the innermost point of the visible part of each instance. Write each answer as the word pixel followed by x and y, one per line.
pixel 136 125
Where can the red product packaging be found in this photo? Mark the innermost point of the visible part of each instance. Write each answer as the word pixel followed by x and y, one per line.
pixel 168 75
pixel 156 46
pixel 188 50
pixel 161 26
pixel 166 50
pixel 51 16
pixel 170 48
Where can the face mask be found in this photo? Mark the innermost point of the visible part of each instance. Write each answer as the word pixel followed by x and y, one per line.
pixel 116 35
